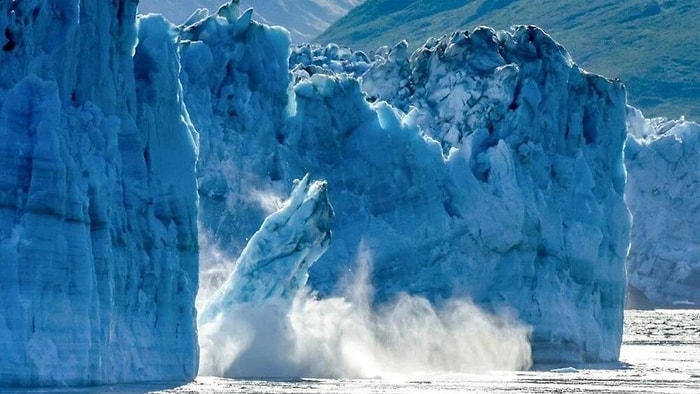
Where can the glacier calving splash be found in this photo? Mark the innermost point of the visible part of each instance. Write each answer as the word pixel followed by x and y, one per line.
pixel 265 322
pixel 663 164
pixel 486 165
pixel 98 235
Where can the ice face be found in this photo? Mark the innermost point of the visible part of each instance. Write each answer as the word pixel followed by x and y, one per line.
pixel 237 95
pixel 532 199
pixel 98 239
pixel 489 166
pixel 663 167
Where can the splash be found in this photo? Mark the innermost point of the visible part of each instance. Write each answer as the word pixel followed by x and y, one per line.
pixel 348 337
pixel 264 321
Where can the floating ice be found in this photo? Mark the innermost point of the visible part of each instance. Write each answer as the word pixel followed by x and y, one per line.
pixel 564 370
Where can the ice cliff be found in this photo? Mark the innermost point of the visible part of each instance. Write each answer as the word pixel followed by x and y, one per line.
pixel 663 165
pixel 486 165
pixel 98 235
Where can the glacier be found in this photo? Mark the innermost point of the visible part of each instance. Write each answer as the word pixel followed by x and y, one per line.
pixel 662 157
pixel 98 201
pixel 485 166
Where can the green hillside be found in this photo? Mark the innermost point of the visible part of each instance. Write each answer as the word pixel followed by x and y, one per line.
pixel 652 45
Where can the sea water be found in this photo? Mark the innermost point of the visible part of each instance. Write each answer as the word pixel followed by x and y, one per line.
pixel 660 354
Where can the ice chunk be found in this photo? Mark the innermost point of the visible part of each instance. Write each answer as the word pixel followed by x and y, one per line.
pixel 276 261
pixel 564 370
pixel 244 326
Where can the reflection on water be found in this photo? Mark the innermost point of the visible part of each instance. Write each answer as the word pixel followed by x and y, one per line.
pixel 660 354
pixel 661 327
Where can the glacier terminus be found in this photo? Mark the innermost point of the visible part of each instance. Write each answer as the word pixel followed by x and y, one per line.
pixel 483 180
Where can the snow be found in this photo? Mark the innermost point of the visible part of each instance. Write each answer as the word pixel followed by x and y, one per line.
pixel 663 165
pixel 98 214
pixel 488 167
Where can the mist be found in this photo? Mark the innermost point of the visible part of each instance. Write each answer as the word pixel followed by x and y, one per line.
pixel 351 337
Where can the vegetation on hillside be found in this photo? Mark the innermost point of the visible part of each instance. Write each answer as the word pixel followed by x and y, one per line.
pixel 651 45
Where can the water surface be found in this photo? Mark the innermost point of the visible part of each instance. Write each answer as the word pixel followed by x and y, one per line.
pixel 660 354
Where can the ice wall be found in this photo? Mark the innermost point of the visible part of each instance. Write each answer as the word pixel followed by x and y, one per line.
pixel 527 207
pixel 663 166
pixel 236 81
pixel 98 236
pixel 494 172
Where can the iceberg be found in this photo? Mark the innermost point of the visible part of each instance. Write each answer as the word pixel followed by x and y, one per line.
pixel 663 166
pixel 98 233
pixel 486 165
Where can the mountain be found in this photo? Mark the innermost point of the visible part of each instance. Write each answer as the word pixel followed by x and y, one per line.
pixel 305 19
pixel 648 44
